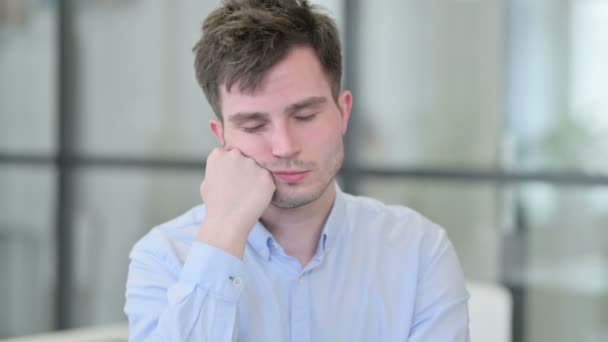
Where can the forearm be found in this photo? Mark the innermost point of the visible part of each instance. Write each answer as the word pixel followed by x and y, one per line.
pixel 200 304
pixel 227 235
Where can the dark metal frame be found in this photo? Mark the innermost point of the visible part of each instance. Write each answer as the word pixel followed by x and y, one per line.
pixel 66 112
pixel 498 177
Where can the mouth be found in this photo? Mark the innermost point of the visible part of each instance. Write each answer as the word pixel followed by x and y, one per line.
pixel 290 176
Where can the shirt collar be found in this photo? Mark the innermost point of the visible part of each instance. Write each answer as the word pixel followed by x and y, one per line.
pixel 262 241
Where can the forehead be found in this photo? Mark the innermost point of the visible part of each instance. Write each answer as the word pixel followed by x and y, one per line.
pixel 298 76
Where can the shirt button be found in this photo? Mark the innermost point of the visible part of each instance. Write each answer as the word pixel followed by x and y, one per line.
pixel 300 280
pixel 236 281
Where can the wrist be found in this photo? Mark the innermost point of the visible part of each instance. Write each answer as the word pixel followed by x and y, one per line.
pixel 223 235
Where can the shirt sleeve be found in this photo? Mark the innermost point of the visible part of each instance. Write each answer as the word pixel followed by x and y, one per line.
pixel 196 302
pixel 441 312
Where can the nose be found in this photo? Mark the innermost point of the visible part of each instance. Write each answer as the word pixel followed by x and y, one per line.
pixel 285 143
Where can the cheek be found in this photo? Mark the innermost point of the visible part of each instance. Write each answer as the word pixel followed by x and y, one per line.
pixel 324 135
pixel 253 146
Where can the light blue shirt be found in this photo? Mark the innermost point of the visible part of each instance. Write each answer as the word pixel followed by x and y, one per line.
pixel 380 273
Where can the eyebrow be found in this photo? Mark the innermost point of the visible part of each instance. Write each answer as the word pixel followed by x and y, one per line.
pixel 312 101
pixel 240 117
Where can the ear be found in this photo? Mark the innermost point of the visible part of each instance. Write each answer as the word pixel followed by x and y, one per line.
pixel 218 130
pixel 345 102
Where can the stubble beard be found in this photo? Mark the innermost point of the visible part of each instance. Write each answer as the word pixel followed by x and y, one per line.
pixel 291 196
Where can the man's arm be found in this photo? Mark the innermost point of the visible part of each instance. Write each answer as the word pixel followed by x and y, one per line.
pixel 199 302
pixel 441 304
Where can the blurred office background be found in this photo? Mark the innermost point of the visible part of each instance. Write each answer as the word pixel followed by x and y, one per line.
pixel 488 116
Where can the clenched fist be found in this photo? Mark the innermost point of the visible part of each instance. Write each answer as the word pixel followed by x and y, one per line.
pixel 236 191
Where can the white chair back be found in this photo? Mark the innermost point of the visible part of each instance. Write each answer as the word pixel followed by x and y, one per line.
pixel 490 310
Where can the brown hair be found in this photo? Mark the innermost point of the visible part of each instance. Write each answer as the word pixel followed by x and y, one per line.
pixel 242 39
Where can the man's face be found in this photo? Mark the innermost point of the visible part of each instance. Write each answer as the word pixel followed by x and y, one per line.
pixel 291 126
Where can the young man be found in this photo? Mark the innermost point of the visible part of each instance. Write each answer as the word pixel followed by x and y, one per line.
pixel 277 252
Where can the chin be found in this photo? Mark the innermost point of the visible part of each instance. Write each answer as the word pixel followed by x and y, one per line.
pixel 294 196
pixel 292 200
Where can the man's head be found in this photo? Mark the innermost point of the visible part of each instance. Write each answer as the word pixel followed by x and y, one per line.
pixel 244 38
pixel 274 76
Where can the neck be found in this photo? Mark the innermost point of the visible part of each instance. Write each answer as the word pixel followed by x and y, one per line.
pixel 298 230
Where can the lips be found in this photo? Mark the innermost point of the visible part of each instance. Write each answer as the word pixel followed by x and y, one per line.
pixel 290 176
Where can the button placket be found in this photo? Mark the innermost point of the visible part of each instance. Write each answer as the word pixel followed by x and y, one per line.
pixel 300 324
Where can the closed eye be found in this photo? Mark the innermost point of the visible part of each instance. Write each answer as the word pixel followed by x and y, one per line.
pixel 254 129
pixel 305 117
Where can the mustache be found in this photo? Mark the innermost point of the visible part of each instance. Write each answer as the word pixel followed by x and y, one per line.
pixel 284 163
pixel 288 164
